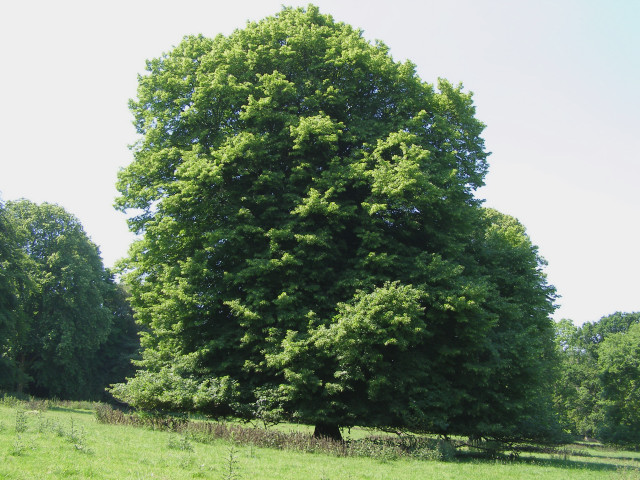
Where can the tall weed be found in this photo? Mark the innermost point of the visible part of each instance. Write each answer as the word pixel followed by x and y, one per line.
pixel 231 464
pixel 21 421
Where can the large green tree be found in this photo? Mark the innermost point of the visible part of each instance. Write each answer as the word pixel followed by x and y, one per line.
pixel 65 313
pixel 311 246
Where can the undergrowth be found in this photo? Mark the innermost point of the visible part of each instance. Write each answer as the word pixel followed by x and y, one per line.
pixel 30 403
pixel 375 446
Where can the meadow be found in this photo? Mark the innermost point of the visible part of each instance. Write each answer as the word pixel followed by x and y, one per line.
pixel 45 440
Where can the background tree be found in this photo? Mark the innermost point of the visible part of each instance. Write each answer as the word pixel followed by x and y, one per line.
pixel 578 388
pixel 13 286
pixel 66 317
pixel 591 335
pixel 619 365
pixel 588 394
pixel 122 346
pixel 311 243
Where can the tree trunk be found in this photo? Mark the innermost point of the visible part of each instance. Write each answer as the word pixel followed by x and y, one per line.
pixel 21 375
pixel 327 430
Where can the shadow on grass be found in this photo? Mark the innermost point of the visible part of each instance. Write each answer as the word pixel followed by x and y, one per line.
pixel 608 457
pixel 79 411
pixel 568 464
pixel 629 459
pixel 574 464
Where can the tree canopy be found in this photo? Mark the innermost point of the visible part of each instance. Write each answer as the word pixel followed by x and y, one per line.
pixel 311 247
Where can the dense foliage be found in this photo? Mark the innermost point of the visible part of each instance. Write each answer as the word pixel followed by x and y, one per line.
pixel 599 387
pixel 311 247
pixel 65 319
pixel 13 284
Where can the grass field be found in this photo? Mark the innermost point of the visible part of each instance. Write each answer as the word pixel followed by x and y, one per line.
pixel 66 442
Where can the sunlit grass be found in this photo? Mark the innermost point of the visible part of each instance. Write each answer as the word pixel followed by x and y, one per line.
pixel 70 443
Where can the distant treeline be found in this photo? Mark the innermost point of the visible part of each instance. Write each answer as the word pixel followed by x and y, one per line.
pixel 66 328
pixel 598 385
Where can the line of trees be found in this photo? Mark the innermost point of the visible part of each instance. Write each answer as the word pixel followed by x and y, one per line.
pixel 66 327
pixel 598 390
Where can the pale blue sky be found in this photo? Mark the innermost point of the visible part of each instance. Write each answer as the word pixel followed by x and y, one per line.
pixel 556 82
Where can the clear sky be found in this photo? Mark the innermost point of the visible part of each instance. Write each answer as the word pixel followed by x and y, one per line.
pixel 557 82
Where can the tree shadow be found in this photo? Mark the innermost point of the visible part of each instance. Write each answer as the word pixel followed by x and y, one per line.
pixel 564 463
pixel 72 410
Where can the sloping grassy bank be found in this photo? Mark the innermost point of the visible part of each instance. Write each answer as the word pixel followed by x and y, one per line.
pixel 68 442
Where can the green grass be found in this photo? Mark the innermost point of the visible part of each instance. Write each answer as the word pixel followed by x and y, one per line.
pixel 67 442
